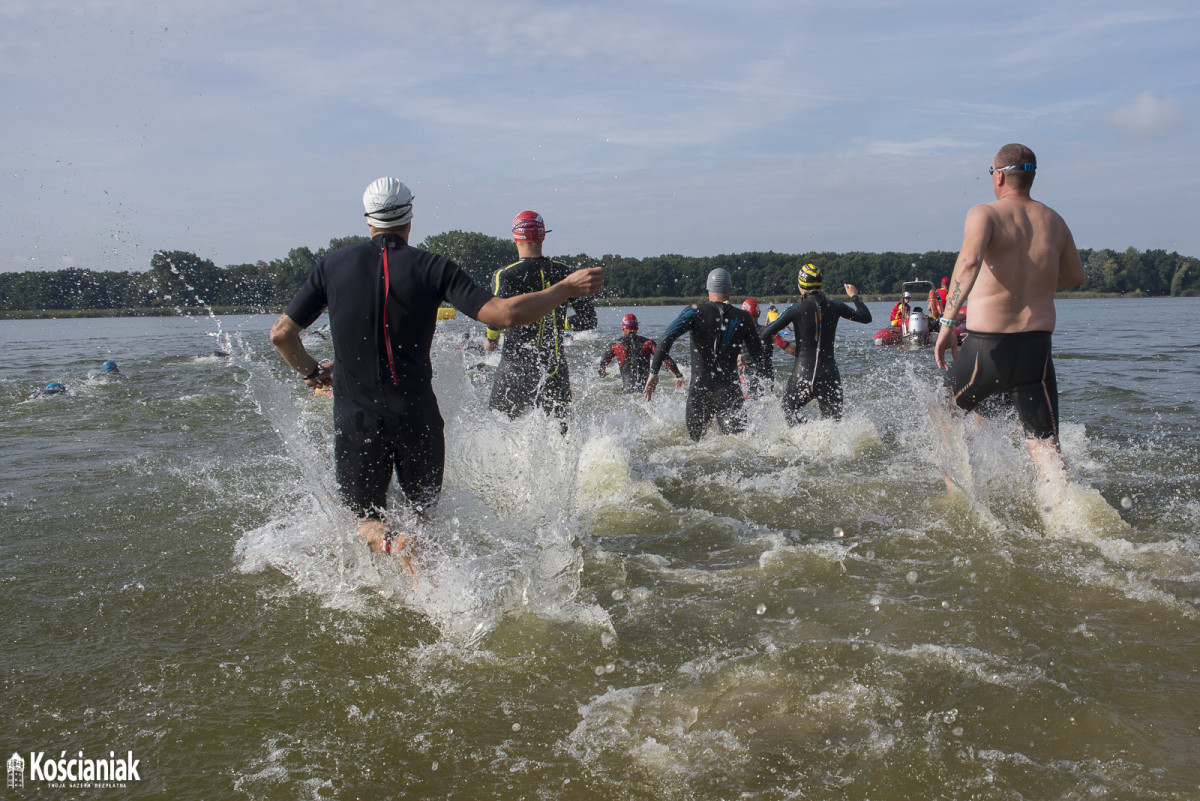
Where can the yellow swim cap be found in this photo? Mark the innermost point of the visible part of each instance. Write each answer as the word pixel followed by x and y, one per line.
pixel 810 277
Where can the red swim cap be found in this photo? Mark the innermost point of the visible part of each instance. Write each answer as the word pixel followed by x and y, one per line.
pixel 629 321
pixel 528 226
pixel 945 280
pixel 751 305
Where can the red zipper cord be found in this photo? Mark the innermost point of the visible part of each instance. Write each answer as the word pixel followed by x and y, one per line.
pixel 387 334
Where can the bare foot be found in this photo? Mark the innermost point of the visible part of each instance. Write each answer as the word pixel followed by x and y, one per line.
pixel 375 533
pixel 380 540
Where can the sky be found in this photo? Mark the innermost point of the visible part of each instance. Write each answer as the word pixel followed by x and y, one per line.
pixel 238 131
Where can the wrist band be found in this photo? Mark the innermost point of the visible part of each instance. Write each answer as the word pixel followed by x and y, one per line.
pixel 316 371
pixel 947 321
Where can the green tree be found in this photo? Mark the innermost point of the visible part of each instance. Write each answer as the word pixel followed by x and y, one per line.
pixel 183 278
pixel 479 254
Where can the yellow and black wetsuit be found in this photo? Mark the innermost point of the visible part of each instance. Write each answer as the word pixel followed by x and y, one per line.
pixel 533 365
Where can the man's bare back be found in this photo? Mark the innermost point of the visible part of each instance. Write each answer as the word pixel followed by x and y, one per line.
pixel 1016 252
pixel 1028 251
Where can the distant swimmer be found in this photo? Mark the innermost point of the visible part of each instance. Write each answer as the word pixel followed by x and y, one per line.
pixel 54 388
pixel 533 368
pixel 720 334
pixel 633 353
pixel 382 297
pixel 1029 253
pixel 108 372
pixel 814 320
pixel 759 376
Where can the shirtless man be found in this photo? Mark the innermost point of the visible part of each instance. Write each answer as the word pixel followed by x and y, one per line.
pixel 1029 253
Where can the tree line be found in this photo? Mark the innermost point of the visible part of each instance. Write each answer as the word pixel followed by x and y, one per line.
pixel 178 279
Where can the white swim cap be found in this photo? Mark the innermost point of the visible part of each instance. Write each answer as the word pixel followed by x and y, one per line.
pixel 388 203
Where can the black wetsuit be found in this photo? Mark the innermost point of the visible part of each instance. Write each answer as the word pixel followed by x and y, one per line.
pixel 760 375
pixel 384 410
pixel 815 373
pixel 533 365
pixel 719 333
pixel 633 354
pixel 1018 364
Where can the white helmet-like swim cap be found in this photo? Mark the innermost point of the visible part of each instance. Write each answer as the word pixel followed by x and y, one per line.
pixel 388 203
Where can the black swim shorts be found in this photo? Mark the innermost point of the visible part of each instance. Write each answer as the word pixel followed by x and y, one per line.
pixel 1017 365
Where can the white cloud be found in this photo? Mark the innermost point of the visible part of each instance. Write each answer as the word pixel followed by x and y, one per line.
pixel 237 131
pixel 1148 116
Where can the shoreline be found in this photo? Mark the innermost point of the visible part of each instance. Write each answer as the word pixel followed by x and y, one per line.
pixel 202 311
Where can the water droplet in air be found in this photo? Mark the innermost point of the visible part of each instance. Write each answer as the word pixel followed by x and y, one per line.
pixel 837 532
pixel 516 727
pixel 1127 502
pixel 911 577
pixel 957 731
pixel 762 609
pixel 618 595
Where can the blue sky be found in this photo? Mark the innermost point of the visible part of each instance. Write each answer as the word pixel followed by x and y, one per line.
pixel 239 130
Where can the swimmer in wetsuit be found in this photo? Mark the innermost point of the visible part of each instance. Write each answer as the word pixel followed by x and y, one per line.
pixel 633 354
pixel 759 376
pixel 814 319
pixel 382 297
pixel 1029 253
pixel 533 363
pixel 720 333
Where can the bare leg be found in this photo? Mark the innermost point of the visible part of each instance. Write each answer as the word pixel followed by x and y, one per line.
pixel 1048 459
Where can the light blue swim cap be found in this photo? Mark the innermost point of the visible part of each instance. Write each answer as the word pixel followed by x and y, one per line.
pixel 54 388
pixel 110 367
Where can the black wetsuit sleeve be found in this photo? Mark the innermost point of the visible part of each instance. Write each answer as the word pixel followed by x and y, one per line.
pixel 859 314
pixel 585 318
pixel 461 291
pixel 681 325
pixel 667 360
pixel 781 322
pixel 310 300
pixel 751 342
pixel 609 353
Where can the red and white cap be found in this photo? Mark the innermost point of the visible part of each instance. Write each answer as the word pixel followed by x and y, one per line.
pixel 528 226
pixel 629 321
pixel 751 305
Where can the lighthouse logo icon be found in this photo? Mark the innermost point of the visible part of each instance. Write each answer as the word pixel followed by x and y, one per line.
pixel 16 772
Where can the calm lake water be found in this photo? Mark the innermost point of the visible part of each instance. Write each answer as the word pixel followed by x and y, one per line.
pixel 618 613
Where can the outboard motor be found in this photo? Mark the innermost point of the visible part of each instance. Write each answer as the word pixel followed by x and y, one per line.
pixel 918 327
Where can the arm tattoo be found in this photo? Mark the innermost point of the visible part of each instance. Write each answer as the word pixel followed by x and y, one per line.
pixel 952 301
